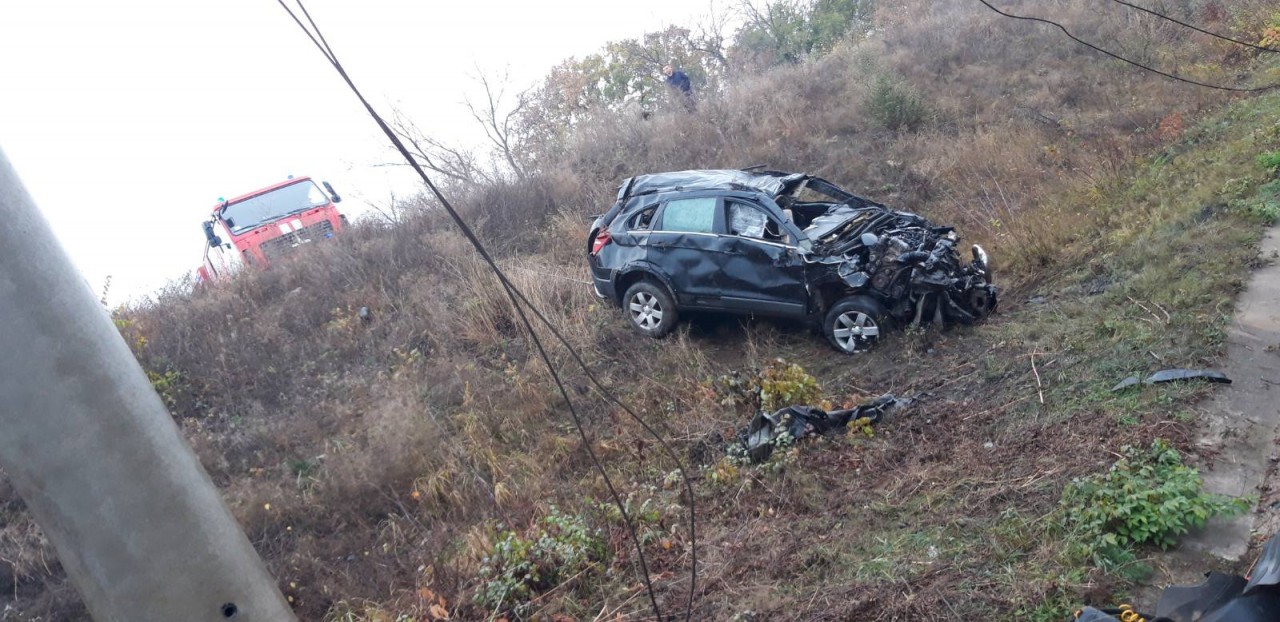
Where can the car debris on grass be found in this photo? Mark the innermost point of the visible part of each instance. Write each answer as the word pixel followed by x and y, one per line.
pixel 780 244
pixel 797 422
pixel 1171 375
pixel 1254 597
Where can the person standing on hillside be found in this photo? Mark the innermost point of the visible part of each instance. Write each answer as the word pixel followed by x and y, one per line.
pixel 678 81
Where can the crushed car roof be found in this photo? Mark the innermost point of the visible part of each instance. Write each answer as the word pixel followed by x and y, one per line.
pixel 770 182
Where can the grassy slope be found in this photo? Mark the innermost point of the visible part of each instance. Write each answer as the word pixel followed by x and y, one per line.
pixel 1153 276
pixel 368 462
pixel 925 519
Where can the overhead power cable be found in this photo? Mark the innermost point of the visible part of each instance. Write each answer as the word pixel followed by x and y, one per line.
pixel 1194 27
pixel 520 302
pixel 1127 60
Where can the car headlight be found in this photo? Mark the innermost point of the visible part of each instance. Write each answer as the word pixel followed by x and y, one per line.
pixel 980 256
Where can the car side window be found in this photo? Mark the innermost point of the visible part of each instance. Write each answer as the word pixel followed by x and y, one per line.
pixel 642 221
pixel 692 215
pixel 749 221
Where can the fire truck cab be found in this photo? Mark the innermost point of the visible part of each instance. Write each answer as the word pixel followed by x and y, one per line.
pixel 256 228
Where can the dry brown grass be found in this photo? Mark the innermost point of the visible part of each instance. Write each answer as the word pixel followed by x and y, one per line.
pixel 368 461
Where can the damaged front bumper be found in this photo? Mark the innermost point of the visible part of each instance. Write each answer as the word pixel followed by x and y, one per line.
pixel 908 264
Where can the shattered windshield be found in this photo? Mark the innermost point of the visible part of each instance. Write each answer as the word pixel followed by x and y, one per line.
pixel 280 202
pixel 810 192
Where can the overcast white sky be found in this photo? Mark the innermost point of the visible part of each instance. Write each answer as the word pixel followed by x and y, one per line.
pixel 127 120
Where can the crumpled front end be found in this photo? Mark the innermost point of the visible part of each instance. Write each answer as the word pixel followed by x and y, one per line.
pixel 911 265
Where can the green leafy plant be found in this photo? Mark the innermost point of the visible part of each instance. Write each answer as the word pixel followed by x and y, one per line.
pixel 778 385
pixel 523 565
pixel 1263 205
pixel 1269 160
pixel 168 385
pixel 1147 497
pixel 787 384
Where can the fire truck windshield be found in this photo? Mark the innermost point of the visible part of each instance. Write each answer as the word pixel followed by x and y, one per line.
pixel 280 202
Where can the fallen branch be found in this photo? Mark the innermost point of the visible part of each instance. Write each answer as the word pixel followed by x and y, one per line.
pixel 1039 386
pixel 1153 313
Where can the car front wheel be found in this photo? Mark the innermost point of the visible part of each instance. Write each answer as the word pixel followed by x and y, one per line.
pixel 651 309
pixel 854 324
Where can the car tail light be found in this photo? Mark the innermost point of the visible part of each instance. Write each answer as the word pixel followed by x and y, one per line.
pixel 602 238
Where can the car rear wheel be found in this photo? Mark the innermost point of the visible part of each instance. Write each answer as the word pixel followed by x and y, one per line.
pixel 650 308
pixel 854 324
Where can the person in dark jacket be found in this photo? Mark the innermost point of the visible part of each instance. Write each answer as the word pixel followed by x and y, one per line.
pixel 678 80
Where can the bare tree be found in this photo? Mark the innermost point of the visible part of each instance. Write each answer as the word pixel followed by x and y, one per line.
pixel 710 37
pixel 454 163
pixel 497 119
pixel 392 210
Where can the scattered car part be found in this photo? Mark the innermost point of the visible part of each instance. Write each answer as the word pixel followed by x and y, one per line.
pixel 781 244
pixel 800 421
pixel 1131 381
pixel 1170 375
pixel 1219 598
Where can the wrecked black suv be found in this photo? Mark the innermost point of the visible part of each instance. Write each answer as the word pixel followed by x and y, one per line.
pixel 780 244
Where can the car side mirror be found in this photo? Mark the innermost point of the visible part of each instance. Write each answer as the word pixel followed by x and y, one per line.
pixel 333 196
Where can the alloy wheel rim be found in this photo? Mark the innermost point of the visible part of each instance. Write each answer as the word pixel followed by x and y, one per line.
pixel 854 328
pixel 646 310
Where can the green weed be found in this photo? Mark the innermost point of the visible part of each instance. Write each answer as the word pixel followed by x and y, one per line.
pixel 524 565
pixel 1269 160
pixel 1147 497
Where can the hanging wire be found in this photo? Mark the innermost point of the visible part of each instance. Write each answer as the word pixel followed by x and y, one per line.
pixel 1123 59
pixel 517 297
pixel 1194 27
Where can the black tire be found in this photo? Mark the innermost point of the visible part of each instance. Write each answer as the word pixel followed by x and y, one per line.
pixel 855 324
pixel 650 308
pixel 981 302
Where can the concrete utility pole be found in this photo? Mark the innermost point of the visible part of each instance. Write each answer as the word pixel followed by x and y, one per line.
pixel 138 525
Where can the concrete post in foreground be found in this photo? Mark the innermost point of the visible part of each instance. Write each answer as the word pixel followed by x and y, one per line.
pixel 138 525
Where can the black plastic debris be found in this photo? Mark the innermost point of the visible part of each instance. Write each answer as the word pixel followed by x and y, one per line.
pixel 1219 598
pixel 1171 375
pixel 1131 381
pixel 801 421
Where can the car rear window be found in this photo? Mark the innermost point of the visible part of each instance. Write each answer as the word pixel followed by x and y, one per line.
pixel 642 220
pixel 693 215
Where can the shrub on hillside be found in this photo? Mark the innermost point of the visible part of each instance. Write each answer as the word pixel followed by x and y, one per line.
pixel 524 565
pixel 896 106
pixel 1147 497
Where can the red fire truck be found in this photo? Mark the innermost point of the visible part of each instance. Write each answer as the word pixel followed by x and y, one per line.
pixel 255 228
